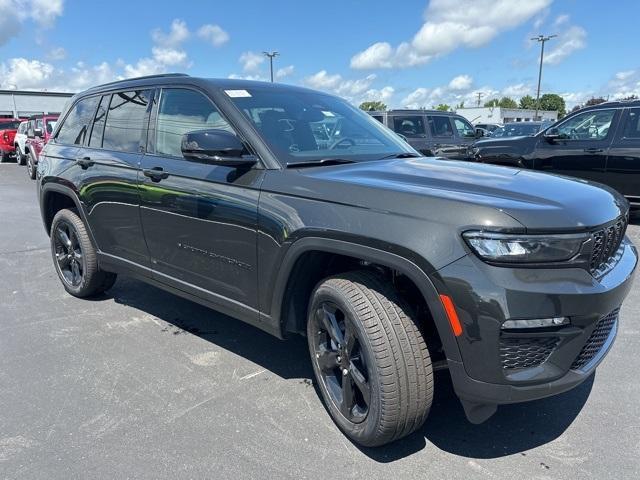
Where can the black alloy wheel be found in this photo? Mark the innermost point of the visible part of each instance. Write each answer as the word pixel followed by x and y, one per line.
pixel 68 254
pixel 341 361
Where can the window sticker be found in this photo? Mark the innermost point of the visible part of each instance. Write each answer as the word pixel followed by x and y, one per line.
pixel 237 93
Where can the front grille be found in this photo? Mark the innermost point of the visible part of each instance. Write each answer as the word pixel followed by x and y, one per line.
pixel 526 352
pixel 606 243
pixel 596 340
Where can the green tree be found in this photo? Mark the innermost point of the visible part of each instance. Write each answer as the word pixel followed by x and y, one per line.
pixel 552 101
pixel 460 105
pixel 373 106
pixel 443 107
pixel 528 102
pixel 594 101
pixel 492 103
pixel 506 102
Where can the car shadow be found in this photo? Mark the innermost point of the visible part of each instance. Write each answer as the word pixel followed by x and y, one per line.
pixel 513 429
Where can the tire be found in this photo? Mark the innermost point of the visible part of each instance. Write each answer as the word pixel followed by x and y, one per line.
pixel 31 166
pixel 75 258
pixel 20 156
pixel 4 157
pixel 364 338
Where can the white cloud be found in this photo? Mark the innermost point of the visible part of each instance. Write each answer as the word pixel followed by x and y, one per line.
pixel 624 84
pixel 571 40
pixel 561 20
pixel 58 53
pixel 169 56
pixel 353 90
pixel 15 13
pixel 323 81
pixel 451 24
pixel 384 94
pixel 251 61
pixel 461 82
pixel 178 33
pixel 23 73
pixel 285 72
pixel 213 34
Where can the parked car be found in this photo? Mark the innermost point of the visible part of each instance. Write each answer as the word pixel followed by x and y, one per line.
pixel 599 143
pixel 39 131
pixel 517 129
pixel 19 142
pixel 393 265
pixel 431 132
pixel 8 129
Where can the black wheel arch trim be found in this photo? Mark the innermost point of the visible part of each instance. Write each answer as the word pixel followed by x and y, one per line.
pixel 371 254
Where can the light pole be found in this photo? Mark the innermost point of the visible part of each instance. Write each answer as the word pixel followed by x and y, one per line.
pixel 542 40
pixel 271 56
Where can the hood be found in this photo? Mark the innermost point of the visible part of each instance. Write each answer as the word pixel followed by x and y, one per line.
pixel 538 201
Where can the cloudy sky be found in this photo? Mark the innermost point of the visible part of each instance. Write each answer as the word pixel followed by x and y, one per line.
pixel 409 53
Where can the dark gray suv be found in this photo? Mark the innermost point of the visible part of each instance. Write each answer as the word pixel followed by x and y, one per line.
pixel 294 211
pixel 433 133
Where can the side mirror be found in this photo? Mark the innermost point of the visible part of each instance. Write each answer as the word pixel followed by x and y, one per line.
pixel 479 133
pixel 37 132
pixel 552 135
pixel 215 146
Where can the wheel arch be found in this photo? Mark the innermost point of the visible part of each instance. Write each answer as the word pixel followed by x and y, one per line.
pixel 285 311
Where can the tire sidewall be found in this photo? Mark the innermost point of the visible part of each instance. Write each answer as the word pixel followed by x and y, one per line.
pixel 359 432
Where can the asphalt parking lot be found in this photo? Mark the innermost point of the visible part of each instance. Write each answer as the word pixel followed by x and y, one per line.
pixel 142 384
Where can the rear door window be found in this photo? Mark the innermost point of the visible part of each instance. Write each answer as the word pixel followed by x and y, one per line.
pixel 125 122
pixel 440 126
pixel 409 126
pixel 75 127
pixel 632 124
pixel 98 124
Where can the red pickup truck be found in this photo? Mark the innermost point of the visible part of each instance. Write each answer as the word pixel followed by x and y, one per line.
pixel 39 131
pixel 8 129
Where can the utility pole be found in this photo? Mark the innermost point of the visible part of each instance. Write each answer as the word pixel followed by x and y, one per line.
pixel 271 56
pixel 542 40
pixel 480 95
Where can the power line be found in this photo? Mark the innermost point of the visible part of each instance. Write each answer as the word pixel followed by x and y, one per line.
pixel 480 95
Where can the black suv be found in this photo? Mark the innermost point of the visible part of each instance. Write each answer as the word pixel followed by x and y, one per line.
pixel 599 143
pixel 431 132
pixel 393 265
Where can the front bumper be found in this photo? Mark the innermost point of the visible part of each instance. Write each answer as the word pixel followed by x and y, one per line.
pixel 485 296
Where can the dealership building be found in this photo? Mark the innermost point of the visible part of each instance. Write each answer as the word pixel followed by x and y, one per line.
pixel 24 103
pixel 505 115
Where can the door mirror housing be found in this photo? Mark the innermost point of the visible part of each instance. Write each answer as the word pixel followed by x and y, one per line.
pixel 216 146
pixel 479 133
pixel 37 132
pixel 552 135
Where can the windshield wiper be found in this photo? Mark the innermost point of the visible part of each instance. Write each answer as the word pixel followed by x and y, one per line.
pixel 402 155
pixel 320 163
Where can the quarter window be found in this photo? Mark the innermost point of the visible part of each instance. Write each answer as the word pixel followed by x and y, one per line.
pixel 632 126
pixel 409 126
pixel 98 124
pixel 75 126
pixel 464 128
pixel 181 111
pixel 126 121
pixel 592 125
pixel 440 126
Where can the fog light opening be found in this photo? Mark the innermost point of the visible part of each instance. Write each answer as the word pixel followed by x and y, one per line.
pixel 535 323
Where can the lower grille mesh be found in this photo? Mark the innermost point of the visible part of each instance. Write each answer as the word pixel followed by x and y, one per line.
pixel 596 340
pixel 525 352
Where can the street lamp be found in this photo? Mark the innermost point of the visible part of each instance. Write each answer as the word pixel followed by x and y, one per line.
pixel 271 56
pixel 541 39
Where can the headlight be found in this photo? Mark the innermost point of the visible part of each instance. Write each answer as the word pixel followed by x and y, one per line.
pixel 508 248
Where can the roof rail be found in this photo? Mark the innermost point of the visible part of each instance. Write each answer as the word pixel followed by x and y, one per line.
pixel 159 75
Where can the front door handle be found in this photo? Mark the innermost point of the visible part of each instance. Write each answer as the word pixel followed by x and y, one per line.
pixel 85 162
pixel 155 174
pixel 593 150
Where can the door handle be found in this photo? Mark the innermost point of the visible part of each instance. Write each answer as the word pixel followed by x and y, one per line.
pixel 155 174
pixel 593 150
pixel 85 162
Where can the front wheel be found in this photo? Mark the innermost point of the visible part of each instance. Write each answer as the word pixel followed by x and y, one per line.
pixel 20 156
pixel 31 166
pixel 369 358
pixel 75 257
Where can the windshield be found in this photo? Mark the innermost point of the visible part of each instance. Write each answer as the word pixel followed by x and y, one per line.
pixel 301 127
pixel 9 124
pixel 516 130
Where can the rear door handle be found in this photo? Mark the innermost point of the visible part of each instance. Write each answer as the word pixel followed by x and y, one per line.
pixel 85 162
pixel 593 150
pixel 155 174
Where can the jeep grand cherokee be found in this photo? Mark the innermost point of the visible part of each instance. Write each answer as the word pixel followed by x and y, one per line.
pixel 294 211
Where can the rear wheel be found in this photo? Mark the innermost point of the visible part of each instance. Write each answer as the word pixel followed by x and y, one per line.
pixel 75 257
pixel 369 357
pixel 31 166
pixel 4 157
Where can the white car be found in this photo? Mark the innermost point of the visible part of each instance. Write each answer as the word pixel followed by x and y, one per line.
pixel 19 140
